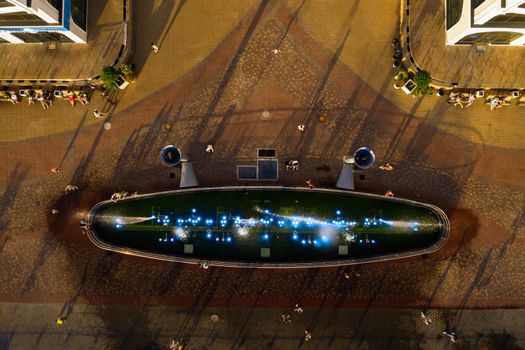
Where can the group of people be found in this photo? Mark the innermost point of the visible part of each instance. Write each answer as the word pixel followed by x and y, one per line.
pixel 461 100
pixel 449 334
pixel 45 97
pixel 292 165
pixel 287 319
pixel 116 196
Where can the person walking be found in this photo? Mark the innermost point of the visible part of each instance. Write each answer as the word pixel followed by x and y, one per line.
pixel 451 336
pixel 307 335
pixel 298 308
pixel 301 127
pixel 209 149
pixel 426 320
pixel 70 188
pixel 42 100
pixel 310 183
pixel 98 114
pixel 387 167
pixel 54 211
pixel 155 48
pixel 56 170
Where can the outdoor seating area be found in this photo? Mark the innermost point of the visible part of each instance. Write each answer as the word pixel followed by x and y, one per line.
pixel 45 95
pixel 493 98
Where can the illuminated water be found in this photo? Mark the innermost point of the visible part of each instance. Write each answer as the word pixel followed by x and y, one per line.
pixel 268 225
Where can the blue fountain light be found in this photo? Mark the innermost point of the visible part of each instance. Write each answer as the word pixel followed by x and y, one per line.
pixel 228 239
pixel 303 241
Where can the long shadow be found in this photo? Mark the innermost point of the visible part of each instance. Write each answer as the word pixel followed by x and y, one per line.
pixel 315 100
pixel 219 92
pixel 205 291
pixel 293 19
pixel 371 299
pixel 141 48
pixel 240 339
pixel 67 309
pixel 173 18
pixel 315 318
pixel 233 288
pixel 398 135
pixel 73 139
pixel 14 182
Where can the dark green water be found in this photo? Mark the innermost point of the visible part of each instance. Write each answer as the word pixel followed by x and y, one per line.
pixel 232 225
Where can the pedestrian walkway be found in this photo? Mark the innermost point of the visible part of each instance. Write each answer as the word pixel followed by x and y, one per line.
pixel 111 327
pixel 69 61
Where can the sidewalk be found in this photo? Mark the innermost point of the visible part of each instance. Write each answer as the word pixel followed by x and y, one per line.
pixel 32 326
pixel 69 61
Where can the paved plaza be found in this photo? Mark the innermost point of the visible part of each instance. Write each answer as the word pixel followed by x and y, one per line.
pixel 470 162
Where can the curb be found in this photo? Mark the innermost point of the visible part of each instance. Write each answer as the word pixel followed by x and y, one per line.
pixel 122 55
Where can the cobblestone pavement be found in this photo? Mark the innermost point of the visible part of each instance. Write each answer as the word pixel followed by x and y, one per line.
pixel 479 186
pixel 497 67
pixel 32 326
pixel 69 61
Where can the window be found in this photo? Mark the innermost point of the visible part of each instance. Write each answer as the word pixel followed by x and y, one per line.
pixel 20 19
pixel 78 12
pixel 42 37
pixel 495 38
pixel 510 18
pixel 454 9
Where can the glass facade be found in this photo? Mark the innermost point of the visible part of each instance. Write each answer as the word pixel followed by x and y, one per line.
pixel 79 13
pixel 454 9
pixel 494 38
pixel 507 19
pixel 17 19
pixel 43 37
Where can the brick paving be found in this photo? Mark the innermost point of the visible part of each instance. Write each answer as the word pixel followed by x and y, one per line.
pixel 144 327
pixel 49 260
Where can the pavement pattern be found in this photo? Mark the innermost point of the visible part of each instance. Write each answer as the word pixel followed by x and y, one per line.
pixel 154 328
pixel 221 101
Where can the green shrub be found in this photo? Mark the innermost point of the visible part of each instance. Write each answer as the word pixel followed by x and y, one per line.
pixel 109 76
pixel 422 79
pixel 402 74
pixel 126 69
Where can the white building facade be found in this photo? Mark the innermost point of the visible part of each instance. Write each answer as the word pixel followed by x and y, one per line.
pixel 485 22
pixel 32 21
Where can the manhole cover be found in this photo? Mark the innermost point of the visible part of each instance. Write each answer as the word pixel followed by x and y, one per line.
pixel 266 114
pixel 107 125
pixel 214 318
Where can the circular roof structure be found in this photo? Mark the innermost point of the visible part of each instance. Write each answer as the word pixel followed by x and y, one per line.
pixel 364 158
pixel 170 155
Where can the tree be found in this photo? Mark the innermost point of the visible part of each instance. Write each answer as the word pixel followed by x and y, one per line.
pixel 422 79
pixel 109 76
